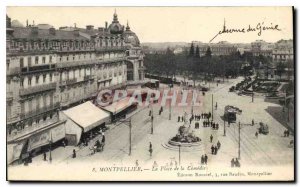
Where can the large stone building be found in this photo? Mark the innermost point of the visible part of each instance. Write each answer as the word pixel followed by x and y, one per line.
pixel 283 51
pixel 261 47
pixel 221 48
pixel 49 70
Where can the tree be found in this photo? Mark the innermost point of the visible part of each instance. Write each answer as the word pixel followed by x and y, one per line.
pixel 197 53
pixel 192 50
pixel 280 69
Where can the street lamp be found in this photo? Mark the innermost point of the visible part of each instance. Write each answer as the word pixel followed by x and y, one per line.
pixel 224 126
pixel 130 128
pixel 170 105
pixel 212 106
pixel 50 155
pixel 179 151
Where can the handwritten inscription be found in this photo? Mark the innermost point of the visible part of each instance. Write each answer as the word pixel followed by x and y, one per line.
pixel 258 28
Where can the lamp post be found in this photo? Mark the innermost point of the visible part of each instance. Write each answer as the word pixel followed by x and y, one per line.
pixel 130 129
pixel 239 150
pixel 170 105
pixel 224 126
pixel 212 106
pixel 179 152
pixel 50 155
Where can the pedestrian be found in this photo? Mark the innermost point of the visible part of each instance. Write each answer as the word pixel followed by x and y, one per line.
pixel 103 139
pixel 237 163
pixel 150 151
pixel 136 163
pixel 205 159
pixel 256 134
pixel 64 143
pixel 150 145
pixel 216 106
pixel 178 118
pixel 182 119
pixel 212 149
pixel 202 159
pixel 154 164
pixel 252 122
pixel 150 112
pixel 217 126
pixel 74 153
pixel 211 138
pixel 284 133
pixel 45 156
pixel 216 150
pixel 219 145
pixel 161 109
pixel 232 162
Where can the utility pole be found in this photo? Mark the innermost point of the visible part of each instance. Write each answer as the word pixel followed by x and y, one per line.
pixel 170 106
pixel 129 136
pixel 152 118
pixel 212 106
pixel 239 153
pixel 50 157
pixel 179 146
pixel 224 127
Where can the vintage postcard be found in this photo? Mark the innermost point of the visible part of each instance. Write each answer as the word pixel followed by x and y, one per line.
pixel 150 94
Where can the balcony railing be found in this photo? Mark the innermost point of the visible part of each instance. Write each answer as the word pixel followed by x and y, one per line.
pixel 75 63
pixel 13 71
pixel 68 82
pixel 40 111
pixel 9 95
pixel 38 68
pixel 114 48
pixel 35 89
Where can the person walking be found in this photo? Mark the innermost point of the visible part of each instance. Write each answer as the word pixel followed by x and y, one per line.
pixel 252 122
pixel 212 149
pixel 216 150
pixel 202 159
pixel 232 162
pixel 205 159
pixel 216 106
pixel 219 145
pixel 211 138
pixel 256 134
pixel 237 163
pixel 74 153
pixel 45 156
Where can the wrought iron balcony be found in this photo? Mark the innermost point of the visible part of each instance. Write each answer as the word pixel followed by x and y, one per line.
pixel 75 63
pixel 13 71
pixel 36 89
pixel 40 111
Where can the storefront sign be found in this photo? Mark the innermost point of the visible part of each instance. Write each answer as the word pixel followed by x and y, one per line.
pixel 39 140
pixel 58 133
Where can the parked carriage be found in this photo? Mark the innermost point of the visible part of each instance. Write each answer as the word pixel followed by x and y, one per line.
pixel 263 128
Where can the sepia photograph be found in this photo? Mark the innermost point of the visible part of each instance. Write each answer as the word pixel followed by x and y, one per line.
pixel 150 93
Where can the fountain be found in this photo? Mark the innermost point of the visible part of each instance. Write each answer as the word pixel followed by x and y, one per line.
pixel 185 137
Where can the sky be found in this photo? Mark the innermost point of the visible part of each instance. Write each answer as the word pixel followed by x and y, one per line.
pixel 170 24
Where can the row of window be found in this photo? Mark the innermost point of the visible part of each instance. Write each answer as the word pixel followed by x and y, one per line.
pixel 36 79
pixel 36 60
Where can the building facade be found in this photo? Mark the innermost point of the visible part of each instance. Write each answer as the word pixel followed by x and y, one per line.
pixel 261 47
pixel 283 51
pixel 221 48
pixel 49 70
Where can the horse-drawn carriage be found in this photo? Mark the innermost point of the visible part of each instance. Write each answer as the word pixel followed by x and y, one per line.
pixel 97 147
pixel 263 128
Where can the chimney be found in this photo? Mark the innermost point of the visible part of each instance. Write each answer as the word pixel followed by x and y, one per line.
pixel 100 29
pixel 27 23
pixel 52 31
pixel 76 32
pixel 34 30
pixel 90 27
pixel 106 25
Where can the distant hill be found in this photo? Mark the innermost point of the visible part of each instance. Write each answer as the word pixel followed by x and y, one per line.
pixel 164 45
pixel 16 23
